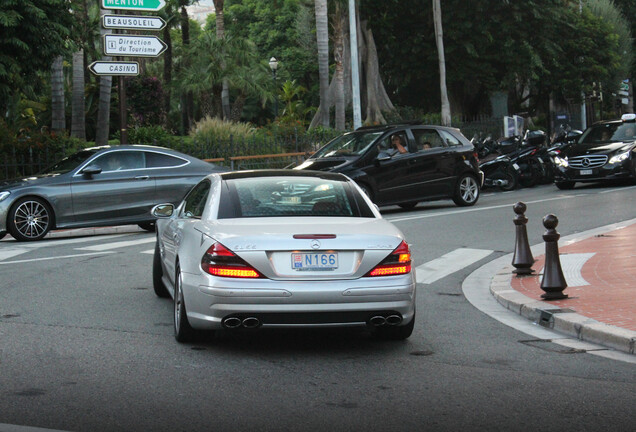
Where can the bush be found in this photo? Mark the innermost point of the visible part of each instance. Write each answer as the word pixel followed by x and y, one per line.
pixel 212 129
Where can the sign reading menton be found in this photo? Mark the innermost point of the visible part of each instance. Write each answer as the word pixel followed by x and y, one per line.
pixel 142 5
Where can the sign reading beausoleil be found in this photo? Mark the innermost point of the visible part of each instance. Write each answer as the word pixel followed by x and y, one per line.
pixel 143 5
pixel 130 22
pixel 132 45
pixel 114 68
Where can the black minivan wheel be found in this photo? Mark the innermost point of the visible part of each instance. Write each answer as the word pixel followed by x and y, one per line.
pixel 466 191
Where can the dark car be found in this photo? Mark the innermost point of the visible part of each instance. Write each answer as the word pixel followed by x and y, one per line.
pixel 605 151
pixel 98 186
pixel 423 163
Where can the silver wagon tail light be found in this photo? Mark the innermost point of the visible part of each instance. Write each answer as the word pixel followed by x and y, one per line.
pixel 220 261
pixel 397 263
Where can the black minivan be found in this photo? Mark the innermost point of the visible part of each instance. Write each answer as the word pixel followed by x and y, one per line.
pixel 404 163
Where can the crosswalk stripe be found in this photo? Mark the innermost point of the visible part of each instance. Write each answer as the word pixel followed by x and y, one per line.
pixel 107 246
pixel 9 253
pixel 447 264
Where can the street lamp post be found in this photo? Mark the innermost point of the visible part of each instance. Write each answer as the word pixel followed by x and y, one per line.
pixel 273 65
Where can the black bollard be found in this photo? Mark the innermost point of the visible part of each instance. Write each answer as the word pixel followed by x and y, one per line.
pixel 522 259
pixel 553 282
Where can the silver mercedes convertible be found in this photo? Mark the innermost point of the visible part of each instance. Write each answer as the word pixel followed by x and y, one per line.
pixel 282 248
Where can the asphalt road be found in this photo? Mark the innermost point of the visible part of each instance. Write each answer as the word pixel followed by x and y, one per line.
pixel 85 345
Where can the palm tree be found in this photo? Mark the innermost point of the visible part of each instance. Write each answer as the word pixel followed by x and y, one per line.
pixel 213 61
pixel 78 126
pixel 322 39
pixel 439 39
pixel 58 118
pixel 220 33
pixel 338 55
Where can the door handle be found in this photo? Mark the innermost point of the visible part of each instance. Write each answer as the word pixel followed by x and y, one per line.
pixel 142 177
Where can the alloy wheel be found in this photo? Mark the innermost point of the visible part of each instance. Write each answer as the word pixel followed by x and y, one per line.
pixel 469 189
pixel 31 219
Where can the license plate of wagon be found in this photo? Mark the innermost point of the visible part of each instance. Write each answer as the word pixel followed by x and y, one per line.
pixel 586 172
pixel 314 261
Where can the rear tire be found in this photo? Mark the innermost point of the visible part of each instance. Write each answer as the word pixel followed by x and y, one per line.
pixel 466 191
pixel 566 185
pixel 183 331
pixel 512 178
pixel 148 226
pixel 408 205
pixel 157 274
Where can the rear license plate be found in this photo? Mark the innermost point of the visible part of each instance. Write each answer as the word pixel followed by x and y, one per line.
pixel 324 261
pixel 585 172
pixel 516 166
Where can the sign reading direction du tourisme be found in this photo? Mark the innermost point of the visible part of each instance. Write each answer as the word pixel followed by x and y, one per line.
pixel 140 5
pixel 133 45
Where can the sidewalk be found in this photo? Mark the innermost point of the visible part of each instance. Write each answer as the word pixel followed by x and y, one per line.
pixel 600 271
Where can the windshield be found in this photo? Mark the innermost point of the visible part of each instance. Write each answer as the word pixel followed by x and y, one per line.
pixel 612 132
pixel 69 163
pixel 350 144
pixel 292 196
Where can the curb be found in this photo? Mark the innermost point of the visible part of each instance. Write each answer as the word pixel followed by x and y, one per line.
pixel 559 319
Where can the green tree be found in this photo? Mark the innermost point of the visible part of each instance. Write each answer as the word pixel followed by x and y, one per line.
pixel 32 34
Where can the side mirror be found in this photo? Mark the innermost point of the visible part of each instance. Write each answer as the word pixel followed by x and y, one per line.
pixel 162 210
pixel 91 170
pixel 382 157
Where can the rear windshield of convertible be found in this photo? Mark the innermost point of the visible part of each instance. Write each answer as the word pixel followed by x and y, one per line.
pixel 290 196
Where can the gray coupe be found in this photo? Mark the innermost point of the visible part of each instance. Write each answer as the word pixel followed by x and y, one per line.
pixel 98 186
pixel 282 248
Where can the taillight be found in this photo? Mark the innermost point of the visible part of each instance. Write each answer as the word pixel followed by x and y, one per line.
pixel 399 262
pixel 220 261
pixel 476 156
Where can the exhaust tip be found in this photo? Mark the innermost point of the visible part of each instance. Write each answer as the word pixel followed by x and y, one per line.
pixel 377 320
pixel 251 322
pixel 232 322
pixel 393 319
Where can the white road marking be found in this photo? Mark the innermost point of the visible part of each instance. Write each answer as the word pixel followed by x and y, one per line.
pixel 473 209
pixel 15 428
pixel 107 246
pixel 53 258
pixel 149 252
pixel 8 253
pixel 447 264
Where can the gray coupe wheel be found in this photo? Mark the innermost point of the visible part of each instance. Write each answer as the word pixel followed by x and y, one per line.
pixel 30 219
pixel 183 332
pixel 466 191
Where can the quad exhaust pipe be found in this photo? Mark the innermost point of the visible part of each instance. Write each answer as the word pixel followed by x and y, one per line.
pixel 381 320
pixel 236 322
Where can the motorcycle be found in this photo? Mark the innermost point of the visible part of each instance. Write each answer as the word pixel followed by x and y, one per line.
pixel 498 170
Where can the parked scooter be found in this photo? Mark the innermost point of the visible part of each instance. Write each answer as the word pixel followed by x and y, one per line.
pixel 498 169
pixel 531 155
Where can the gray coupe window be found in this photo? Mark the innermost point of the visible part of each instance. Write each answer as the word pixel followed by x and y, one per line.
pixel 120 161
pixel 195 201
pixel 162 160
